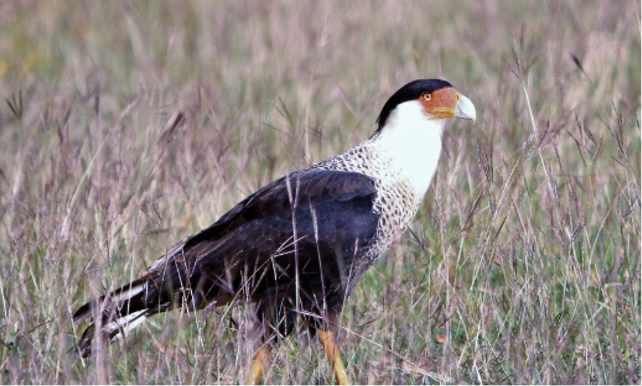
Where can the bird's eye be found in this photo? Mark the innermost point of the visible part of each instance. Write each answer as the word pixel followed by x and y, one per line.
pixel 427 96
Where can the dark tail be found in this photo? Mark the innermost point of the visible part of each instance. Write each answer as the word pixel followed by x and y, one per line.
pixel 166 285
pixel 115 314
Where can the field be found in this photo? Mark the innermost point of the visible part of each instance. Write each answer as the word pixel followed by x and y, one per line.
pixel 127 126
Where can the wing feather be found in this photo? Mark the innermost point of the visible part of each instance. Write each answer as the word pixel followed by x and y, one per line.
pixel 315 224
pixel 331 212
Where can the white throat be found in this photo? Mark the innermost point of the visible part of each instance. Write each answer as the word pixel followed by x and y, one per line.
pixel 410 142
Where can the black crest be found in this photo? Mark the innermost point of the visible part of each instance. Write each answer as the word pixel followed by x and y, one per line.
pixel 410 91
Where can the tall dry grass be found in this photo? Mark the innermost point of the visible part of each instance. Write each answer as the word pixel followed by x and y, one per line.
pixel 523 265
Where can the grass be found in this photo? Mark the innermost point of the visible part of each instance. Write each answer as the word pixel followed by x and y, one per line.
pixel 523 264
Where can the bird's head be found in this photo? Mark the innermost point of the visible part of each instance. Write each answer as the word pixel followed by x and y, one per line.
pixel 433 99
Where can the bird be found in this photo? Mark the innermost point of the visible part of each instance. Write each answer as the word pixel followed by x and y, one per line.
pixel 297 247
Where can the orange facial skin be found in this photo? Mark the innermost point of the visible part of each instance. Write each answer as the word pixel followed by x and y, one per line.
pixel 441 103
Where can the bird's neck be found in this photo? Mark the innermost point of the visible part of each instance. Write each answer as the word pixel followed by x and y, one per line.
pixel 410 144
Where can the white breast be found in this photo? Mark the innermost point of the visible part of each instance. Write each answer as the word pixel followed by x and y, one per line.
pixel 408 147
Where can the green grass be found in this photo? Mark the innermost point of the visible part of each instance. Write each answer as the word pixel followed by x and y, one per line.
pixel 524 261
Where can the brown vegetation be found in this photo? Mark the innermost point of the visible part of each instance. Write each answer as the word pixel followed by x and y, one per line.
pixel 130 125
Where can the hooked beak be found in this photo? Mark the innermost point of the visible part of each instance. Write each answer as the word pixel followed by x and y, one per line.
pixel 465 109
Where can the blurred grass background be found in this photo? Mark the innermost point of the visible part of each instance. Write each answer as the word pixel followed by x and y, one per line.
pixel 523 265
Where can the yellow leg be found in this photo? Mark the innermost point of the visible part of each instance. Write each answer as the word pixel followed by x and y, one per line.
pixel 328 340
pixel 261 358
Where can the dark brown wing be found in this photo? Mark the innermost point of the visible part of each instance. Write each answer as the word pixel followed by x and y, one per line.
pixel 306 225
pixel 294 241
